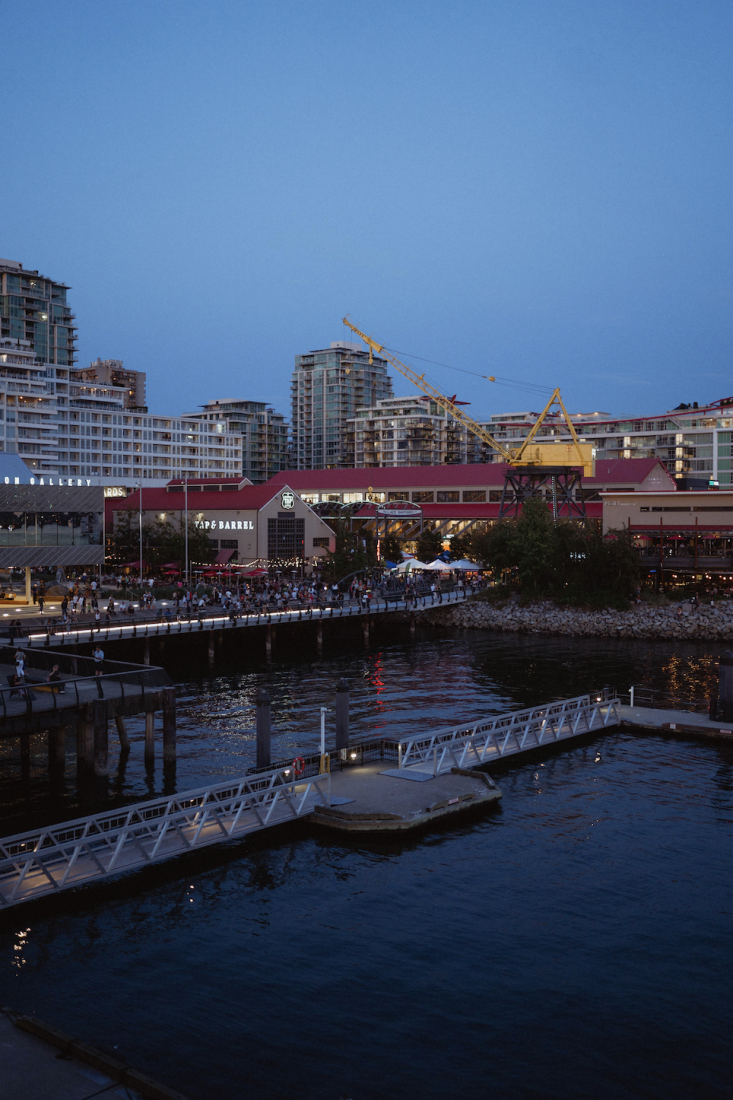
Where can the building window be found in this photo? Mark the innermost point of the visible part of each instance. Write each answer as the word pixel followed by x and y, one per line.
pixel 321 540
pixel 424 496
pixel 229 544
pixel 474 496
pixel 285 538
pixel 449 496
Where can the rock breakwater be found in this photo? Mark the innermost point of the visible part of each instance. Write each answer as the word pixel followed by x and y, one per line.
pixel 642 621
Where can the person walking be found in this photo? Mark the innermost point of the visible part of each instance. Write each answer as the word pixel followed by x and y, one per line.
pixel 98 655
pixel 40 602
pixel 65 609
pixel 20 663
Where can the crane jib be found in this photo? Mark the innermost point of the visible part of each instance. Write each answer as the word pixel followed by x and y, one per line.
pixel 529 453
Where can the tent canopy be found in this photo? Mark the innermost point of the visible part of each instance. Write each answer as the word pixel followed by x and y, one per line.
pixel 410 565
pixel 463 563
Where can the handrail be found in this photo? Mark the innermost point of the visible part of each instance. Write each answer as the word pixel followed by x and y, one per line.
pixel 271 617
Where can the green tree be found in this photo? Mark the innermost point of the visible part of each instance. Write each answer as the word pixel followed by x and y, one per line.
pixel 348 556
pixel 391 549
pixel 429 545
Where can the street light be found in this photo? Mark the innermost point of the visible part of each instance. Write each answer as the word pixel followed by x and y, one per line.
pixel 185 500
pixel 140 492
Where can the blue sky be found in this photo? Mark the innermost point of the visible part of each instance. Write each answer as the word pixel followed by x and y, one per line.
pixel 537 189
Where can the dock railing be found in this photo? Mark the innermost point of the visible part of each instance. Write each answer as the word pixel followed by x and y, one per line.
pixel 146 628
pixel 46 861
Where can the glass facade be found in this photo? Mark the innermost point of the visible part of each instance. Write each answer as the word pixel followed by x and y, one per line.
pixel 51 528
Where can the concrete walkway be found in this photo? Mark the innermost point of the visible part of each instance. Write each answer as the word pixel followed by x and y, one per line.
pixel 684 721
pixel 375 798
pixel 34 1068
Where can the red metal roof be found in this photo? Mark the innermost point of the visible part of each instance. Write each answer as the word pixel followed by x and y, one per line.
pixel 630 471
pixel 252 497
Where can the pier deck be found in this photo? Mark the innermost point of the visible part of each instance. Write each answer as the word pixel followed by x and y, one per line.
pixel 679 721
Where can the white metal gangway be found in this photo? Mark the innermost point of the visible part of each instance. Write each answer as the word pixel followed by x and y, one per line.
pixel 90 849
pixel 468 746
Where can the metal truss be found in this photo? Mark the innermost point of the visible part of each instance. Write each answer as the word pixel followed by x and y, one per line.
pixel 522 483
pixel 508 734
pixel 91 849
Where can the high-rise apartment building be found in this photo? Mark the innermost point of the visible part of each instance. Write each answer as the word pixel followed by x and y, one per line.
pixel 408 431
pixel 34 309
pixel 264 433
pixel 112 372
pixel 693 442
pixel 328 387
pixel 61 423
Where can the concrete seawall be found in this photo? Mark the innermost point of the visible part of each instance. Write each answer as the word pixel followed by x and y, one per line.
pixel 643 621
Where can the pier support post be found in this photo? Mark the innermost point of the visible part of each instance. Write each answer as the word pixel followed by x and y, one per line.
pixel 264 728
pixel 412 623
pixel 25 755
pixel 211 649
pixel 57 749
pixel 149 738
pixel 366 630
pixel 725 686
pixel 319 638
pixel 342 715
pixel 169 724
pixel 84 741
pixel 268 642
pixel 146 651
pixel 101 738
pixel 122 733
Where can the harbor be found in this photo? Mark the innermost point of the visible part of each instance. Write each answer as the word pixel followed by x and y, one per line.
pixel 236 907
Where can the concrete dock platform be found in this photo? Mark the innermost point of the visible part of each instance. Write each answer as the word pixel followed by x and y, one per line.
pixel 39 1062
pixel 374 798
pixel 673 721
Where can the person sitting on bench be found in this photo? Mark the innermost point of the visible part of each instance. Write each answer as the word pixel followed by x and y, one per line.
pixel 54 677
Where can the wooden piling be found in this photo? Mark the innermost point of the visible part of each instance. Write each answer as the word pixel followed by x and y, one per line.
pixel 342 715
pixel 268 642
pixel 57 748
pixel 169 724
pixel 366 629
pixel 146 651
pixel 319 638
pixel 264 728
pixel 211 649
pixel 85 739
pixel 150 737
pixel 101 738
pixel 122 733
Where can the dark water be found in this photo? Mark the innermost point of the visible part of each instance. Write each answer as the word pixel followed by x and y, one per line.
pixel 573 943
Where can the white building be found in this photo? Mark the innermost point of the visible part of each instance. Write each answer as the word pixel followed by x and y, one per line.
pixel 407 431
pixel 693 442
pixel 62 424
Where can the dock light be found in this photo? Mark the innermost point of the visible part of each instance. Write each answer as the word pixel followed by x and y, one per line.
pixel 598 698
pixel 353 755
pixel 287 771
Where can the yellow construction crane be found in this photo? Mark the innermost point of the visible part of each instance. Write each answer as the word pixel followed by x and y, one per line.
pixel 528 453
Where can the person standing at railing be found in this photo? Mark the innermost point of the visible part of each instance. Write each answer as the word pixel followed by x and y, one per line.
pixel 98 655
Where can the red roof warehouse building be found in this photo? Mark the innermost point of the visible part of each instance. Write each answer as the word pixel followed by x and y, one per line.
pixel 245 523
pixel 456 498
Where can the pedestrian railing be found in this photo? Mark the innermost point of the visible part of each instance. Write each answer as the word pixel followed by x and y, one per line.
pixel 90 849
pixel 35 696
pixel 147 629
pixel 469 745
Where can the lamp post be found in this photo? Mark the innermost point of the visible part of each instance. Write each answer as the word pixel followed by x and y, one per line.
pixel 140 525
pixel 185 504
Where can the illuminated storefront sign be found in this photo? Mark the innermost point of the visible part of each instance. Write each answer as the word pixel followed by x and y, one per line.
pixel 287 499
pixel 224 524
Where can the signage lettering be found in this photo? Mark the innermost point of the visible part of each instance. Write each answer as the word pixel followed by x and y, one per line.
pixel 225 525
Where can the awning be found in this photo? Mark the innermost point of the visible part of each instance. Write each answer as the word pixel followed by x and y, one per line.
pixel 223 557
pixel 17 557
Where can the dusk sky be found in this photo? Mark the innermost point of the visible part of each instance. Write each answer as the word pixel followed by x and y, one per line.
pixel 536 189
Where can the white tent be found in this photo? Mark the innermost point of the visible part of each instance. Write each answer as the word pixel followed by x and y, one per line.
pixel 409 565
pixel 469 566
pixel 438 566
